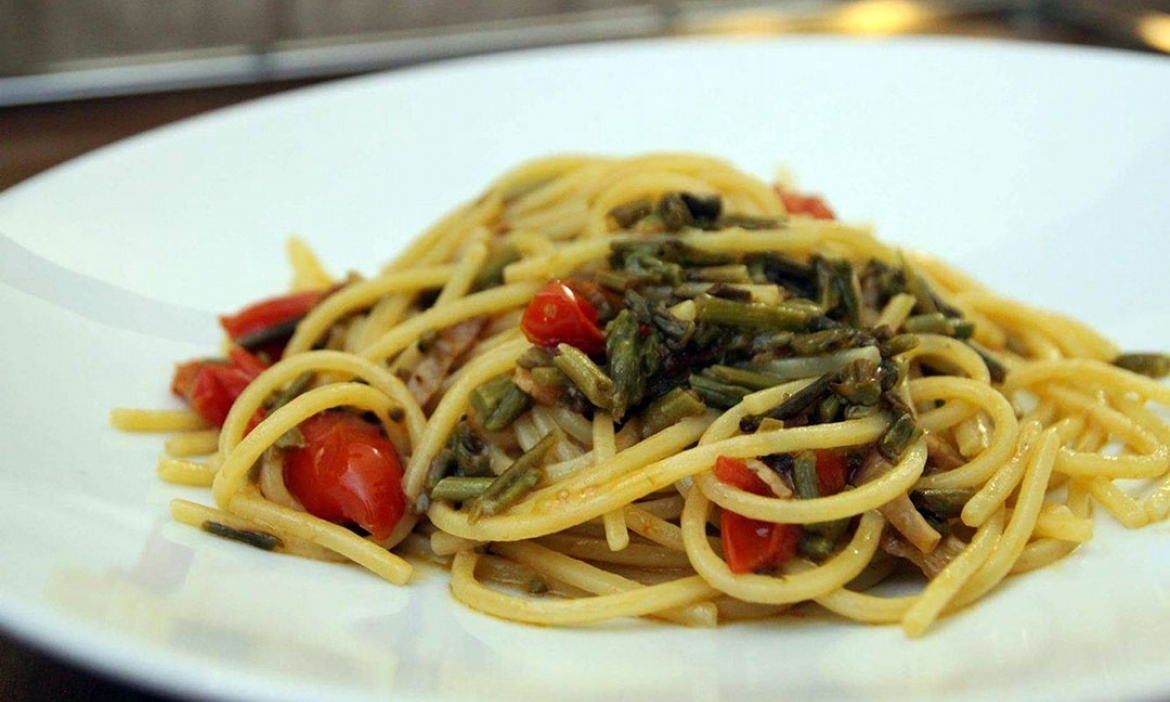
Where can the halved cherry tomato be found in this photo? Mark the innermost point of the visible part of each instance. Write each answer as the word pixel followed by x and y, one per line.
pixel 347 472
pixel 750 544
pixel 832 472
pixel 211 387
pixel 812 205
pixel 557 315
pixel 268 313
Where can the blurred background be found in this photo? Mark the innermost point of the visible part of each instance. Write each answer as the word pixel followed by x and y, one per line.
pixel 75 75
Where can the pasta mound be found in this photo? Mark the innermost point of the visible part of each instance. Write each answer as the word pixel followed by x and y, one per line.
pixel 660 387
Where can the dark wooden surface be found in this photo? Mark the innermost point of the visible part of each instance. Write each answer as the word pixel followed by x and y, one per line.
pixel 27 673
pixel 38 137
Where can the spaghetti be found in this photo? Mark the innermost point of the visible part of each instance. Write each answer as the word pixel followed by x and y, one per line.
pixel 659 387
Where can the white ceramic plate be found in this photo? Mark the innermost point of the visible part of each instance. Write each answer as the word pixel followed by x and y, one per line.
pixel 1044 171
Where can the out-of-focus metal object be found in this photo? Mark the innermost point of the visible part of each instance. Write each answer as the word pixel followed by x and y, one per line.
pixel 1136 23
pixel 63 49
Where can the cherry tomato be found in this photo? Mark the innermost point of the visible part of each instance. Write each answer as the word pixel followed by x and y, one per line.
pixel 832 472
pixel 557 315
pixel 750 544
pixel 604 301
pixel 268 313
pixel 812 205
pixel 211 387
pixel 347 472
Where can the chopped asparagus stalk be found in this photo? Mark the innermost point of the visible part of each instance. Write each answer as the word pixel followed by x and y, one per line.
pixel 460 489
pixel 901 432
pixel 597 387
pixel 260 539
pixel 1154 365
pixel 716 393
pixel 498 403
pixel 669 409
pixel 789 315
pixel 514 483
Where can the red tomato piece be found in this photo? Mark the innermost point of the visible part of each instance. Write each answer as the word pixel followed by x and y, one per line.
pixel 268 313
pixel 734 471
pixel 246 362
pixel 832 472
pixel 750 544
pixel 811 205
pixel 211 387
pixel 557 315
pixel 184 378
pixel 347 472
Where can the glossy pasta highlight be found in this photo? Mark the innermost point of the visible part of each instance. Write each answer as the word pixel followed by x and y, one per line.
pixel 660 387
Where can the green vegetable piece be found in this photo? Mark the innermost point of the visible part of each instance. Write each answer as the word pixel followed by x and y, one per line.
pixel 786 316
pixel 460 489
pixel 293 390
pixel 901 432
pixel 1154 365
pixel 549 376
pixel 768 342
pixel 594 384
pixel 804 475
pixel 802 400
pixel 837 287
pixel 675 214
pixel 995 369
pixel 675 251
pixel 928 300
pixel 860 383
pixel 293 438
pixel 831 530
pixel 491 273
pixel 443 464
pixel 750 379
pixel 514 483
pixel 625 362
pixel 860 411
pixel 930 323
pixel 498 403
pixel 627 215
pixel 829 409
pixel 717 394
pixel 279 332
pixel 823 342
pixel 704 208
pixel 535 357
pixel 670 409
pixel 899 344
pixel 470 452
pixel 816 546
pixel 962 328
pixel 749 222
pixel 819 539
pixel 730 273
pixel 943 502
pixel 260 539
